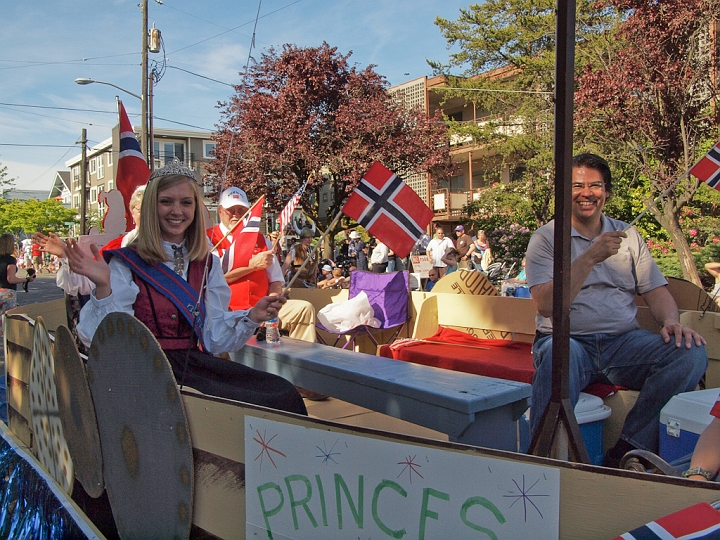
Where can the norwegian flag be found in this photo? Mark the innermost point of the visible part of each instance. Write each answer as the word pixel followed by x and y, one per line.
pixel 389 209
pixel 287 212
pixel 132 169
pixel 244 237
pixel 708 168
pixel 697 522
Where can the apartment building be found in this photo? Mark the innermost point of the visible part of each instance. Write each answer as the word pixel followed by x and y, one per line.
pixel 448 197
pixel 192 147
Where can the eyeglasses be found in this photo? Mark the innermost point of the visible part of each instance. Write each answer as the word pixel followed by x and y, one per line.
pixel 595 187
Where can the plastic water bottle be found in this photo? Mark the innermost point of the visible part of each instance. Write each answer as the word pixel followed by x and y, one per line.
pixel 272 330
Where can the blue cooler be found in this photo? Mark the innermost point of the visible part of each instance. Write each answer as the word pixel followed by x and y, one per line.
pixel 682 421
pixel 591 413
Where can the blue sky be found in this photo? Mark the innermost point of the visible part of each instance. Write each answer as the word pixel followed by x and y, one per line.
pixel 45 46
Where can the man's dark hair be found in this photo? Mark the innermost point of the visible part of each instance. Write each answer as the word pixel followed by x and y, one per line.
pixel 593 161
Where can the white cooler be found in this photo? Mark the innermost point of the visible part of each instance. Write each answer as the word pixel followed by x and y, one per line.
pixel 682 421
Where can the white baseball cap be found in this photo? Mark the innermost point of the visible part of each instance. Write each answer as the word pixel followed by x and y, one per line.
pixel 233 196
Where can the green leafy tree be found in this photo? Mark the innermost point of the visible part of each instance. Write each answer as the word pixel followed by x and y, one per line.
pixel 5 182
pixel 506 66
pixel 32 215
pixel 650 104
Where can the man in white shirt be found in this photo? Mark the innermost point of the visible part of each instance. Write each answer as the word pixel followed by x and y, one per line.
pixel 436 249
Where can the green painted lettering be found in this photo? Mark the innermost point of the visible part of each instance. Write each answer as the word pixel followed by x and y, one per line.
pixel 267 514
pixel 302 502
pixel 357 512
pixel 425 512
pixel 482 501
pixel 321 493
pixel 376 496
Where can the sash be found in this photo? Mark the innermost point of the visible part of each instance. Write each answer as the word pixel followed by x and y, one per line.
pixel 169 284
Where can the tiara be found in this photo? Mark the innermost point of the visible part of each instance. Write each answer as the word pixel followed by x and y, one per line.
pixel 174 168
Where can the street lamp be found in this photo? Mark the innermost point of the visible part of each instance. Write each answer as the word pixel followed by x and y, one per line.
pixel 85 80
pixel 145 133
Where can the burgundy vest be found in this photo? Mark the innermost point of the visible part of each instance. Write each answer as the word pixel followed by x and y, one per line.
pixel 158 313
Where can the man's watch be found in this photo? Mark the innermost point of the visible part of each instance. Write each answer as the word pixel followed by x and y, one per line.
pixel 699 471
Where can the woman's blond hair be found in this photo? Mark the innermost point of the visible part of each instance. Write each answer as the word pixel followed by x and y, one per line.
pixel 7 244
pixel 148 242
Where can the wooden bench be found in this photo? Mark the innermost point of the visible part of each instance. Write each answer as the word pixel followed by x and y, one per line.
pixel 470 409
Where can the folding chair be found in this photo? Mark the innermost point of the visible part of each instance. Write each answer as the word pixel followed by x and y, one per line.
pixel 388 294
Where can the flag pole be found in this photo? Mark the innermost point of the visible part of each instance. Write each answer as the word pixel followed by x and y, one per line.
pixel 239 221
pixel 214 248
pixel 311 252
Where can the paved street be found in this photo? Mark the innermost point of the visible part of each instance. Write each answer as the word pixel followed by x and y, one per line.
pixel 43 289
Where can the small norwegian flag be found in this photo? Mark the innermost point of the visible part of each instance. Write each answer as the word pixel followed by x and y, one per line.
pixel 132 169
pixel 708 168
pixel 389 209
pixel 697 522
pixel 242 247
pixel 287 212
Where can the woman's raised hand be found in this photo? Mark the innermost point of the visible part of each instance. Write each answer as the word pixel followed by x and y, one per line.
pixel 51 244
pixel 94 268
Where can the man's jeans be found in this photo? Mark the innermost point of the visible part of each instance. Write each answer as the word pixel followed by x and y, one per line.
pixel 638 360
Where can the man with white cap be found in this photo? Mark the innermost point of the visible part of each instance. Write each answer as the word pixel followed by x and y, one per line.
pixel 252 271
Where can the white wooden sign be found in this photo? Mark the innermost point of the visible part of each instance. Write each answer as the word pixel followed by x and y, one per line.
pixel 312 484
pixel 421 264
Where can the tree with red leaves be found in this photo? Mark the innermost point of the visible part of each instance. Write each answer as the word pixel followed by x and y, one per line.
pixel 306 114
pixel 649 103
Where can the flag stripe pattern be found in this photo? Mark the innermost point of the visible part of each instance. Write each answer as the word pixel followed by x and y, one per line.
pixel 708 168
pixel 389 209
pixel 287 212
pixel 132 169
pixel 698 522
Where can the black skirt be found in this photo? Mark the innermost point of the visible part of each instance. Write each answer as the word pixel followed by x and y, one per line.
pixel 227 379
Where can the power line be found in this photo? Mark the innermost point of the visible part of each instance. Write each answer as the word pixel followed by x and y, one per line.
pixel 180 123
pixel 40 145
pixel 84 61
pixel 236 27
pixel 59 108
pixel 60 119
pixel 201 76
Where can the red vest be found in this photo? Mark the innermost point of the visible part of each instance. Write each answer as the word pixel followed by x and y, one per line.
pixel 249 289
pixel 160 315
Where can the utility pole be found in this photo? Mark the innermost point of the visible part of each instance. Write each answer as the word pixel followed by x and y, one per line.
pixel 144 86
pixel 83 182
pixel 151 143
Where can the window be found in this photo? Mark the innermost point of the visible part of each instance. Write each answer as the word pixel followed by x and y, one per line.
pixel 76 201
pixel 166 151
pixel 93 165
pixel 111 185
pixel 76 177
pixel 209 149
pixel 93 195
pixel 110 161
pixel 101 166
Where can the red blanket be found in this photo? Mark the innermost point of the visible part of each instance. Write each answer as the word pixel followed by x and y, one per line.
pixel 498 358
pixel 458 351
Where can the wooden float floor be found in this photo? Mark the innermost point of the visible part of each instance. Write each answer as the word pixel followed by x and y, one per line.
pixel 352 415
